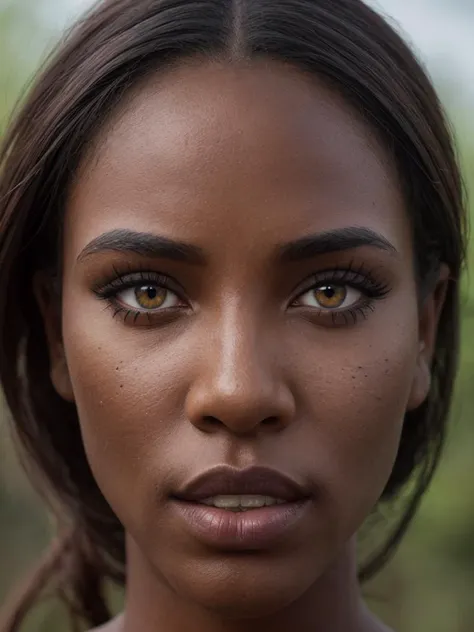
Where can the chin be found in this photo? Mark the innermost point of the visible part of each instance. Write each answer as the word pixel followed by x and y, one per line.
pixel 243 588
pixel 236 602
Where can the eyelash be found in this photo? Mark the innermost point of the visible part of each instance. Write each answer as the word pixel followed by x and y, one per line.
pixel 356 277
pixel 131 278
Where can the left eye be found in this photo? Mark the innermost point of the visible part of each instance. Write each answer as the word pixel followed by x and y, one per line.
pixel 330 296
pixel 148 297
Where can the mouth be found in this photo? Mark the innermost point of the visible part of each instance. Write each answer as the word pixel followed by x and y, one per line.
pixel 241 509
pixel 238 503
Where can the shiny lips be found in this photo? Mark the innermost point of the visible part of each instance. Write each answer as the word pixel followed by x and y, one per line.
pixel 226 481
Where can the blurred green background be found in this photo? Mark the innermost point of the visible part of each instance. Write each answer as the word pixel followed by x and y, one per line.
pixel 429 586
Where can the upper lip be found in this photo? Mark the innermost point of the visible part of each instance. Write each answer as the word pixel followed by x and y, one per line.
pixel 225 480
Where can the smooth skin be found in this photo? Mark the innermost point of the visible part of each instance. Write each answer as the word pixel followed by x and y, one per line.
pixel 246 363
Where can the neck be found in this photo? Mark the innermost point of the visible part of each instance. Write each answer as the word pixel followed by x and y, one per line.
pixel 332 604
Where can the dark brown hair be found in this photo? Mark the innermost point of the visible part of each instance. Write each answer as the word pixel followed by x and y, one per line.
pixel 341 42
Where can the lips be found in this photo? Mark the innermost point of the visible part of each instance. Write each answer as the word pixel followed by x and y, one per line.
pixel 256 481
pixel 205 509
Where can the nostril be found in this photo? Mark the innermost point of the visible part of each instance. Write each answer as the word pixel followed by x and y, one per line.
pixel 270 421
pixel 211 421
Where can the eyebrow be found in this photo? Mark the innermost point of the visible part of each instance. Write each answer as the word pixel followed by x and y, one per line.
pixel 310 246
pixel 336 240
pixel 144 244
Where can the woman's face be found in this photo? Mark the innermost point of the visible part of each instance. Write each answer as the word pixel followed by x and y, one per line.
pixel 239 291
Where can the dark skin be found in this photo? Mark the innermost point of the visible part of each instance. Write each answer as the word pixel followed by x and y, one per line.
pixel 245 361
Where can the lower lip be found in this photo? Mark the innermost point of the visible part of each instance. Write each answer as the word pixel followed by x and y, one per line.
pixel 245 530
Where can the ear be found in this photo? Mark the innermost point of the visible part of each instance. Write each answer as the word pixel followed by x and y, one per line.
pixel 430 312
pixel 47 297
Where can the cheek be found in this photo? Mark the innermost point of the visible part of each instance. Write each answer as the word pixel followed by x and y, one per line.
pixel 128 390
pixel 360 404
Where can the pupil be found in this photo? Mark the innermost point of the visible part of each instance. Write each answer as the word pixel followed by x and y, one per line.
pixel 329 291
pixel 151 292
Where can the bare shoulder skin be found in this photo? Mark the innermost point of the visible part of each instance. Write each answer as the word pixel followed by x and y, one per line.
pixel 116 625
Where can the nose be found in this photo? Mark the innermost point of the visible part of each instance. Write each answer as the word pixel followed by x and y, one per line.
pixel 239 386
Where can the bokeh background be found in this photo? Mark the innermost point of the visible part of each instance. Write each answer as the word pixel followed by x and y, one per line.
pixel 429 585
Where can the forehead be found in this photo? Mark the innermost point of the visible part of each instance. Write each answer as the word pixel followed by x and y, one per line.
pixel 211 151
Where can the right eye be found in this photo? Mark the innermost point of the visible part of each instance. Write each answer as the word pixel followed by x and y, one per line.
pixel 142 294
pixel 148 297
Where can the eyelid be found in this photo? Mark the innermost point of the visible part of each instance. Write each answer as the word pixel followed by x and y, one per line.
pixel 358 277
pixel 122 282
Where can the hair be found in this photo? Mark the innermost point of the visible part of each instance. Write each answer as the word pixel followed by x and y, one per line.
pixel 344 44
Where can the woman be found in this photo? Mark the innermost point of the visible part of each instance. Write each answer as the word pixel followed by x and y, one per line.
pixel 231 236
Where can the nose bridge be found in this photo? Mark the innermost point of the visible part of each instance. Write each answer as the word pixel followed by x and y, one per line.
pixel 240 383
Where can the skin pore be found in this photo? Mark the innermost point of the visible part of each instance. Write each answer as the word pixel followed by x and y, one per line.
pixel 239 290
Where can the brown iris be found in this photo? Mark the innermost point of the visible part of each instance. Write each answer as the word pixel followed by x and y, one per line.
pixel 330 296
pixel 150 296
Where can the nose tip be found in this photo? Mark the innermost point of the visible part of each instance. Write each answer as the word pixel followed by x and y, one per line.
pixel 243 407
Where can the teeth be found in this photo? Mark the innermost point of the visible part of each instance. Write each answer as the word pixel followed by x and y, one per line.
pixel 241 502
